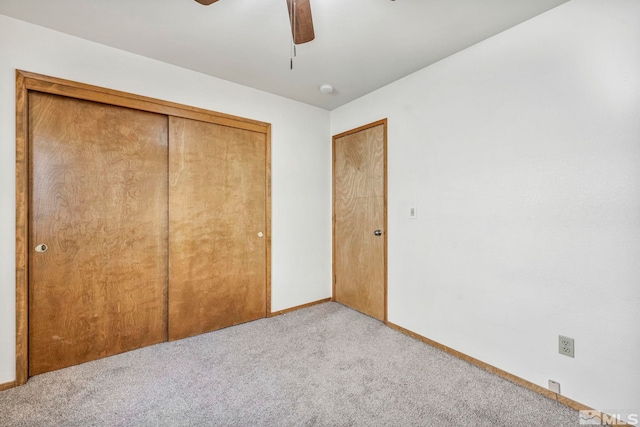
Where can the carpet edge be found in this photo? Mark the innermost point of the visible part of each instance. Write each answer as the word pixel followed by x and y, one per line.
pixel 298 307
pixel 501 373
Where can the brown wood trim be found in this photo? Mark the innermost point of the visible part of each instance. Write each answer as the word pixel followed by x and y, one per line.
pixel 497 371
pixel 333 218
pixel 386 225
pixel 7 386
pixel 478 363
pixel 268 217
pixel 26 81
pixel 22 230
pixel 299 307
pixel 72 89
pixel 361 128
pixel 382 122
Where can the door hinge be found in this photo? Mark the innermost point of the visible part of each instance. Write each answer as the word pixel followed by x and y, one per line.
pixel 334 280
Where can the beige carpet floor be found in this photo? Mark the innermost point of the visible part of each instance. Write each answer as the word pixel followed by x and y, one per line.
pixel 325 365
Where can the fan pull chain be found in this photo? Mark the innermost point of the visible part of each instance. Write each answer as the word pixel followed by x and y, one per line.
pixel 293 32
pixel 293 52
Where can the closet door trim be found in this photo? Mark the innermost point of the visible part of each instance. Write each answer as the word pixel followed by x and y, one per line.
pixel 87 92
pixel 25 82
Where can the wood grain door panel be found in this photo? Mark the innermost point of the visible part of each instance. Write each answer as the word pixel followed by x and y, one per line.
pixel 217 196
pixel 359 209
pixel 359 168
pixel 99 202
pixel 360 255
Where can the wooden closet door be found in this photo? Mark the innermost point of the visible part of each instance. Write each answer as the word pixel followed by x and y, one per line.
pixel 217 227
pixel 359 221
pixel 99 204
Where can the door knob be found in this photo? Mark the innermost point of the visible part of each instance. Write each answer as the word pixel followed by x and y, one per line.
pixel 260 234
pixel 378 232
pixel 41 247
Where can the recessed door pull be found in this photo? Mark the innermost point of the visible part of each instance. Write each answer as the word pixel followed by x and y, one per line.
pixel 41 247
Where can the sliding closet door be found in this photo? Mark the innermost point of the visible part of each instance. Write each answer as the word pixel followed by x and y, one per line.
pixel 217 226
pixel 98 230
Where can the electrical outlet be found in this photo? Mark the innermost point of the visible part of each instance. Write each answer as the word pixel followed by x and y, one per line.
pixel 565 346
pixel 554 386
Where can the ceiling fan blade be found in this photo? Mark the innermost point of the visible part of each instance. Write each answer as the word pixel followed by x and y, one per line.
pixel 206 2
pixel 301 22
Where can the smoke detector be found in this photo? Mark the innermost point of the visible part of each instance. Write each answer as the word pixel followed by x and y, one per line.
pixel 326 88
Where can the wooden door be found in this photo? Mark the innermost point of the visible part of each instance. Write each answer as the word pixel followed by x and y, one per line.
pixel 359 206
pixel 217 227
pixel 99 204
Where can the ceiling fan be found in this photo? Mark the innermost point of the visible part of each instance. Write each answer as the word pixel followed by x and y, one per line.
pixel 299 16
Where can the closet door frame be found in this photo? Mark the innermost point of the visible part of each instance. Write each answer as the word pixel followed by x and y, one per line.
pixel 26 82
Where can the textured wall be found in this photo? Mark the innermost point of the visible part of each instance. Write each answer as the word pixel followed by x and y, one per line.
pixel 522 156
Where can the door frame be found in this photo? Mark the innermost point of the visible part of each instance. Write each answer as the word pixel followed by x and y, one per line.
pixel 26 82
pixel 382 122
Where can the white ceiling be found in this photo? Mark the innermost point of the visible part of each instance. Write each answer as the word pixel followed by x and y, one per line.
pixel 360 45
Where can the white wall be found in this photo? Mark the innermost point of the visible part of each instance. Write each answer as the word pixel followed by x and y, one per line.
pixel 522 155
pixel 301 155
